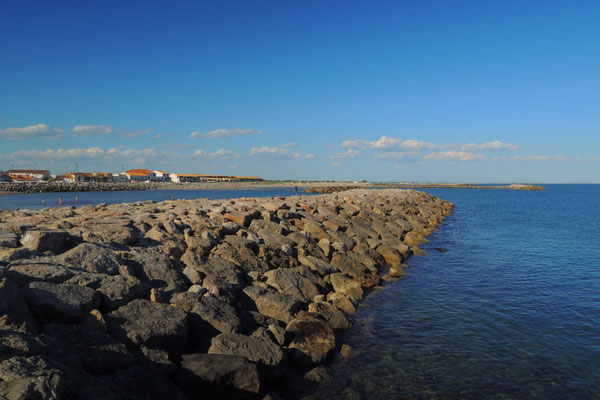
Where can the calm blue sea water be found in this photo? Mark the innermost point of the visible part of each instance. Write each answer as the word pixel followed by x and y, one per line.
pixel 35 201
pixel 511 311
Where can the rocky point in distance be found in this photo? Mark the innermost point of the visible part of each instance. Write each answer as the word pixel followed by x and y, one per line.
pixel 194 299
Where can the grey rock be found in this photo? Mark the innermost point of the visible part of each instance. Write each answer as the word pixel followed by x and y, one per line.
pixel 13 308
pixel 254 349
pixel 154 325
pixel 333 315
pixel 292 283
pixel 51 302
pixel 26 272
pixel 218 376
pixel 92 258
pixel 8 239
pixel 45 239
pixel 97 351
pixel 33 378
pixel 272 303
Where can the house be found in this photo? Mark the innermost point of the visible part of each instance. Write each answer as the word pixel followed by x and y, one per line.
pixel 162 176
pixel 22 178
pixel 248 179
pixel 140 175
pixel 119 178
pixel 38 174
pixel 183 178
pixel 102 176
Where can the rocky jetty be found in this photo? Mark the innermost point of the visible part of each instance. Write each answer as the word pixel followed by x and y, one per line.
pixel 194 299
pixel 63 187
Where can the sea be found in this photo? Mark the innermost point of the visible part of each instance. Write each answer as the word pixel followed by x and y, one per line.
pixel 509 309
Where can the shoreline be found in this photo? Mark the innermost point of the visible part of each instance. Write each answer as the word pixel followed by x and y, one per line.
pixel 237 298
pixel 310 186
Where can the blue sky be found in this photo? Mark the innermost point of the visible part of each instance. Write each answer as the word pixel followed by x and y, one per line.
pixel 480 91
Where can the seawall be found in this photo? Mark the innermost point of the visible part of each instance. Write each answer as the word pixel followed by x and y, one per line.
pixel 194 299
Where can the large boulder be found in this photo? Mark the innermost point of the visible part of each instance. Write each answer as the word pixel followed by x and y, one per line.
pixel 154 325
pixel 313 339
pixel 115 291
pixel 24 272
pixel 158 270
pixel 8 239
pixel 347 286
pixel 93 258
pixel 219 315
pixel 51 302
pixel 218 376
pixel 272 303
pixel 333 315
pixel 292 283
pixel 119 233
pixel 33 378
pixel 97 351
pixel 253 348
pixel 45 239
pixel 13 308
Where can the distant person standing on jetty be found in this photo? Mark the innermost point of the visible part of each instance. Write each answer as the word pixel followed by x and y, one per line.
pixel 76 199
pixel 44 202
pixel 60 202
pixel 296 189
pixel 172 197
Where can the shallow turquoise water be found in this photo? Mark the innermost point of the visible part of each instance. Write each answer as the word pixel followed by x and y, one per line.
pixel 35 200
pixel 510 311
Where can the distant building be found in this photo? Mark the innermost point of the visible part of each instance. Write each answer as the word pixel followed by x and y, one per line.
pixel 21 178
pixel 38 174
pixel 184 178
pixel 119 178
pixel 140 175
pixel 162 176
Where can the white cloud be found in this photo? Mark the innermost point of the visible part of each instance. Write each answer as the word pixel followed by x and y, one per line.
pixel 495 145
pixel 453 155
pixel 336 163
pixel 395 155
pixel 92 152
pixel 279 152
pixel 158 136
pixel 129 154
pixel 288 145
pixel 223 133
pixel 43 131
pixel 93 129
pixel 385 142
pixel 540 158
pixel 497 158
pixel 199 153
pixel 134 134
pixel 222 153
pixel 350 153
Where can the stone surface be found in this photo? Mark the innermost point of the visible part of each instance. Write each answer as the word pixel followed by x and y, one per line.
pixel 13 308
pixel 313 340
pixel 253 348
pixel 154 325
pixel 92 258
pixel 51 302
pixel 44 239
pixel 26 272
pixel 218 376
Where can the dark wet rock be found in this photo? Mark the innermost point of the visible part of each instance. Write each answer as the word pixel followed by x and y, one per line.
pixel 26 272
pixel 218 376
pixel 97 351
pixel 313 339
pixel 92 258
pixel 253 348
pixel 138 383
pixel 346 352
pixel 154 325
pixel 15 342
pixel 157 360
pixel 45 239
pixel 13 308
pixel 440 249
pixel 51 302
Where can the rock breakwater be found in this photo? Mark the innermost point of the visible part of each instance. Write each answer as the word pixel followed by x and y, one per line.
pixel 194 299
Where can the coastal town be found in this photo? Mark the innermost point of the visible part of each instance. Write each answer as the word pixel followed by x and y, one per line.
pixel 129 176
